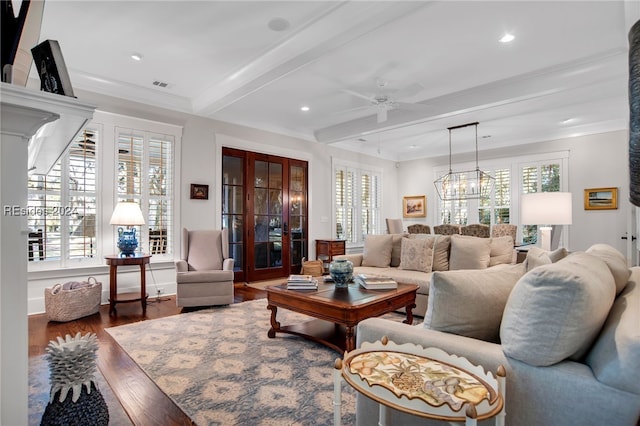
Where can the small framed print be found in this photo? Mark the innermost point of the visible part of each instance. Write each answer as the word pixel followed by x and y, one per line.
pixel 414 206
pixel 199 192
pixel 601 198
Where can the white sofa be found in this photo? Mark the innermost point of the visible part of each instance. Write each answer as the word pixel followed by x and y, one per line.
pixel 567 333
pixel 411 258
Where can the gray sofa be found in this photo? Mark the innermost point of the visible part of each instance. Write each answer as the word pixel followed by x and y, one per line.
pixel 568 335
pixel 395 255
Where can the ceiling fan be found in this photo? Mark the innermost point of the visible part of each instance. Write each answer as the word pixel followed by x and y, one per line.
pixel 384 101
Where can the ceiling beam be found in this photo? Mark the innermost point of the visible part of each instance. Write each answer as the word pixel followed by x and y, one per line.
pixel 341 24
pixel 537 84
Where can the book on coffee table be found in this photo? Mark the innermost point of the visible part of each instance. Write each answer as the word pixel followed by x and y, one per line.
pixel 373 282
pixel 302 282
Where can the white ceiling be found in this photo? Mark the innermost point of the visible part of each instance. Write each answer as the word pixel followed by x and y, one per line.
pixel 221 60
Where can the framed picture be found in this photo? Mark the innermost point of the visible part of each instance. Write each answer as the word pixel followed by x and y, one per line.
pixel 199 192
pixel 414 206
pixel 601 198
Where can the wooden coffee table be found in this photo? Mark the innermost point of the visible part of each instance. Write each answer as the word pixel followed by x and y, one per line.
pixel 337 311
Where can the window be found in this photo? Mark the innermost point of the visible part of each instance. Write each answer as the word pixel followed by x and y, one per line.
pixel 544 172
pixel 69 208
pixel 145 175
pixel 357 202
pixel 62 206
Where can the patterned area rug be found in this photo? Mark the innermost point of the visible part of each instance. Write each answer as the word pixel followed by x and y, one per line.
pixel 220 367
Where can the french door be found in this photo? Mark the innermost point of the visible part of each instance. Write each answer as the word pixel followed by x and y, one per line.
pixel 264 206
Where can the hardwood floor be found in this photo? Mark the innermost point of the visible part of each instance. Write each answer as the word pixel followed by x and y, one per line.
pixel 143 401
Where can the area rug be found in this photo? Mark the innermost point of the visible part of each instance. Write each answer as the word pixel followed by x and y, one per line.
pixel 261 285
pixel 221 368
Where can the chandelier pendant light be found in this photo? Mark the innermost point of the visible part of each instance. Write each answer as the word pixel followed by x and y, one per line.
pixel 465 185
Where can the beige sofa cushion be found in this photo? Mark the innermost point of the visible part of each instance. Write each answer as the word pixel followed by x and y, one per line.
pixel 555 311
pixel 470 303
pixel 417 254
pixel 469 252
pixel 616 262
pixel 441 247
pixel 538 257
pixel 501 250
pixel 377 250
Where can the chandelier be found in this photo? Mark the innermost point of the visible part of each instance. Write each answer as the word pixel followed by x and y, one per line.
pixel 465 185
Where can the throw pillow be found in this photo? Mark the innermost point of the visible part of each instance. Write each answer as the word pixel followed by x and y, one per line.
pixel 501 250
pixel 615 356
pixel 616 262
pixel 417 254
pixel 441 248
pixel 470 303
pixel 538 257
pixel 396 249
pixel 469 252
pixel 555 311
pixel 377 251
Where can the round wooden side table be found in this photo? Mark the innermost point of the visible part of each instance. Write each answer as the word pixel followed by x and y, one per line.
pixel 114 297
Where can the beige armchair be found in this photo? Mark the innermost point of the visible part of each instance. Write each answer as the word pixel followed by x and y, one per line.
pixel 446 229
pixel 394 226
pixel 476 230
pixel 204 275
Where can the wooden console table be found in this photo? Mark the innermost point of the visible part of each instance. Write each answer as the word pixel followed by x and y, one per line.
pixel 327 249
pixel 114 261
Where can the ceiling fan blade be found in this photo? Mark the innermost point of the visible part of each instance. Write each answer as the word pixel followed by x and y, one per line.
pixel 345 111
pixel 359 95
pixel 409 90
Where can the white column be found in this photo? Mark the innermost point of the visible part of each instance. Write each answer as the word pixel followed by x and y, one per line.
pixel 18 125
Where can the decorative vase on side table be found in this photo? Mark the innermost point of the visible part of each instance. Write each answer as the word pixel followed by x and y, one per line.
pixel 341 270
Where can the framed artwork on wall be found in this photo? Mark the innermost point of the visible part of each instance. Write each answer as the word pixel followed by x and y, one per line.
pixel 601 198
pixel 414 206
pixel 199 192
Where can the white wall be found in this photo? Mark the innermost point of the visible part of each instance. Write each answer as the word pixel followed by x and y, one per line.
pixel 594 161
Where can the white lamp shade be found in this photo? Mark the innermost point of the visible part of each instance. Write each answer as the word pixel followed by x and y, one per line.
pixel 546 208
pixel 127 213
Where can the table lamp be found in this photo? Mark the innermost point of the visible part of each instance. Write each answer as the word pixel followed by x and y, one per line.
pixel 127 213
pixel 546 208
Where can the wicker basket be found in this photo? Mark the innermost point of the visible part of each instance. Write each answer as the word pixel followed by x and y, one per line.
pixel 66 305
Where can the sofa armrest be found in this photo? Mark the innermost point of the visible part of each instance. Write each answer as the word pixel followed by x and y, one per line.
pixel 355 258
pixel 227 264
pixel 181 266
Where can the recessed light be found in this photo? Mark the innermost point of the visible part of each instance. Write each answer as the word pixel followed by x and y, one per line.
pixel 507 38
pixel 136 56
pixel 304 108
pixel 413 146
pixel 567 120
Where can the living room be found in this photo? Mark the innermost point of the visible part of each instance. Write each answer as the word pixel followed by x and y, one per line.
pixel 595 150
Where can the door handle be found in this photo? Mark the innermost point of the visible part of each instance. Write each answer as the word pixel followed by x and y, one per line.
pixel 285 229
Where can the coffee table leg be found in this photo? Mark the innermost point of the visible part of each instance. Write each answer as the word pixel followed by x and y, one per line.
pixel 351 341
pixel 275 325
pixel 409 310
